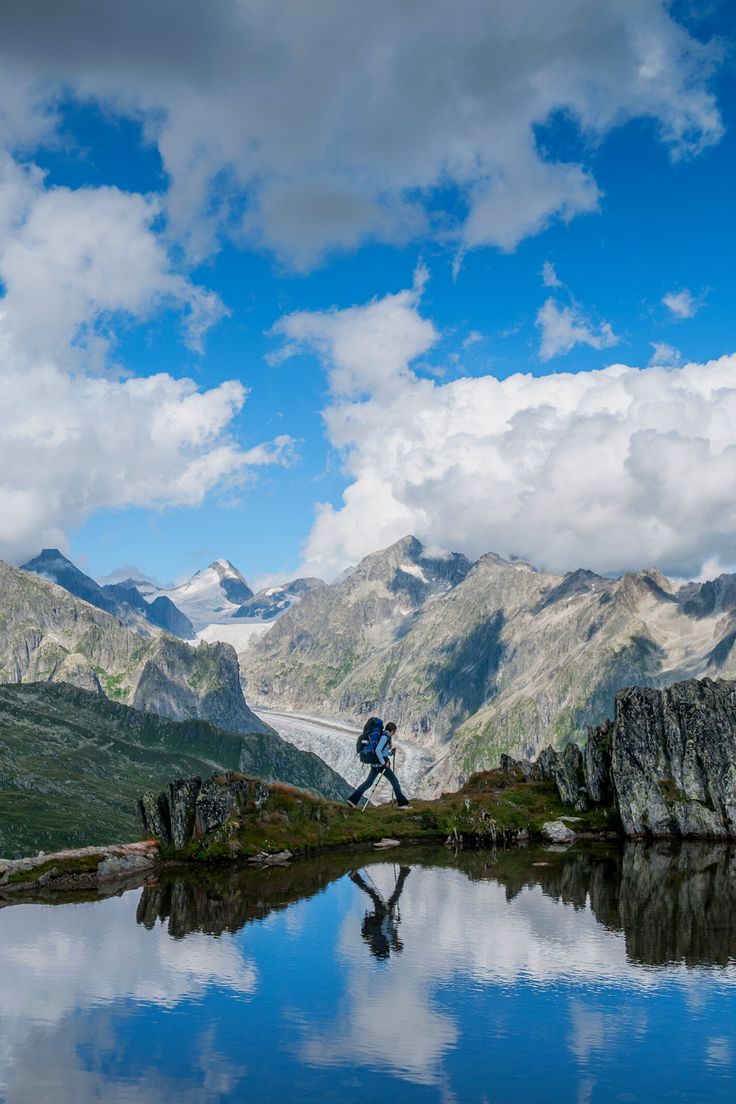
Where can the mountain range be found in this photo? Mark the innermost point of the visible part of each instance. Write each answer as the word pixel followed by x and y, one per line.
pixel 476 659
pixel 48 635
pixel 471 659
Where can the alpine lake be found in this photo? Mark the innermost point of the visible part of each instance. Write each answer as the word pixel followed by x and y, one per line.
pixel 598 973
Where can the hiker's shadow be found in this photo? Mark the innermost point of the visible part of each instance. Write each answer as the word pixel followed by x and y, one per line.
pixel 380 927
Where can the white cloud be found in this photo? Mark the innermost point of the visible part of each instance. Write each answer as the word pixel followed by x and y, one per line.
pixel 608 469
pixel 664 355
pixel 58 966
pixel 73 443
pixel 74 436
pixel 683 304
pixel 549 276
pixel 562 328
pixel 322 118
pixel 72 260
pixel 367 349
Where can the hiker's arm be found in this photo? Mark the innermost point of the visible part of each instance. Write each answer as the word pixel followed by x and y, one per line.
pixel 382 749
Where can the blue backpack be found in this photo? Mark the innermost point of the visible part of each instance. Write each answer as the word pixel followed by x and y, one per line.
pixel 367 742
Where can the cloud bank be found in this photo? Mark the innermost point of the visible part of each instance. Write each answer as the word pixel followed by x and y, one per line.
pixel 611 469
pixel 77 432
pixel 307 128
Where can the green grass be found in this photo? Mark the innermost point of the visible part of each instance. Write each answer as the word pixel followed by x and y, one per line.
pixel 72 765
pixel 489 808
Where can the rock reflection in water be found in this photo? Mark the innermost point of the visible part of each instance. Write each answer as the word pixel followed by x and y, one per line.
pixel 675 903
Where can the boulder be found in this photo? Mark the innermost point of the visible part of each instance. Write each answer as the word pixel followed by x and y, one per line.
pixel 557 832
pixel 507 764
pixel 153 814
pixel 215 802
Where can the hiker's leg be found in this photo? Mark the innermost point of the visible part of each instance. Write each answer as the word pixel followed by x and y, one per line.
pixel 400 797
pixel 357 794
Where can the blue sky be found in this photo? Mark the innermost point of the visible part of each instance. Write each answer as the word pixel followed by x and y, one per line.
pixel 352 234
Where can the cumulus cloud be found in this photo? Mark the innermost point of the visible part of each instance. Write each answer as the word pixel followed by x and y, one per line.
pixel 70 260
pixel 562 328
pixel 683 304
pixel 74 436
pixel 73 443
pixel 323 121
pixel 367 349
pixel 609 469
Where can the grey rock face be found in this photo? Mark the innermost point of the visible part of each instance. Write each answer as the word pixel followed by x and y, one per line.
pixel 597 764
pixel 123 601
pixel 183 794
pixel 545 766
pixel 569 774
pixel 153 814
pixel 214 805
pixel 668 757
pixel 673 759
pixel 493 657
pixel 164 613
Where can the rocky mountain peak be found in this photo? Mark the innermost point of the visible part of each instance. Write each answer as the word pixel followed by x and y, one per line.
pixel 407 566
pixel 231 581
pixel 50 556
pixel 51 564
pixel 714 596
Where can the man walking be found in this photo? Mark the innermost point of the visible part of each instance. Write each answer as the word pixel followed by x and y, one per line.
pixel 381 766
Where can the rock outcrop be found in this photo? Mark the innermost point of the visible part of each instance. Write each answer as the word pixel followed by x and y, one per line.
pixel 673 759
pixel 83 867
pixel 194 809
pixel 668 758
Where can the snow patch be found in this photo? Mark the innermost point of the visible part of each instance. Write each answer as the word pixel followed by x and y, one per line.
pixel 415 570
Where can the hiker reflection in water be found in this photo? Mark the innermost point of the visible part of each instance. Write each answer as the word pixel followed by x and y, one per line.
pixel 380 927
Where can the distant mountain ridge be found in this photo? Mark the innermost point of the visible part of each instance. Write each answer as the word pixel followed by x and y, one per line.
pixel 219 594
pixel 123 600
pixel 48 635
pixel 478 659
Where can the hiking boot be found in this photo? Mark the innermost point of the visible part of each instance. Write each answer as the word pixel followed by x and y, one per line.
pixel 352 804
pixel 404 807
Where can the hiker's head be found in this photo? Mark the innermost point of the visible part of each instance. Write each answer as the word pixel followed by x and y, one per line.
pixel 391 727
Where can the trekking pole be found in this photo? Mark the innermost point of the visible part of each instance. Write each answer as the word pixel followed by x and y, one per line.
pixel 372 790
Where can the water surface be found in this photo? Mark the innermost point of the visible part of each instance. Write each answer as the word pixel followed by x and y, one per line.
pixel 537 975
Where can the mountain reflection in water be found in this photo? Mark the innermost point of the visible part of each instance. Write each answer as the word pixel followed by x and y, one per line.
pixel 588 975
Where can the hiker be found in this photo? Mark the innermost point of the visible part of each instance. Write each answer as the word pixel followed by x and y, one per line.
pixel 377 750
pixel 380 927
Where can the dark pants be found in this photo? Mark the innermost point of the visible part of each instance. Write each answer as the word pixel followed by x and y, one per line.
pixel 375 771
